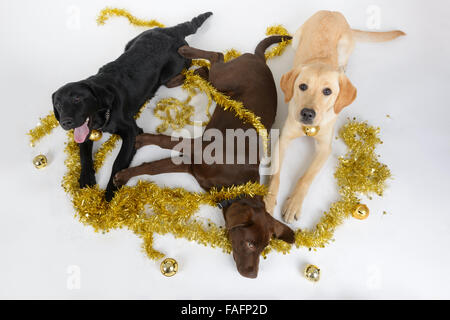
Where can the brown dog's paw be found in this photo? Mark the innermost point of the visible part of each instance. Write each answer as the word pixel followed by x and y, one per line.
pixel 175 81
pixel 289 237
pixel 120 178
pixel 139 142
pixel 183 51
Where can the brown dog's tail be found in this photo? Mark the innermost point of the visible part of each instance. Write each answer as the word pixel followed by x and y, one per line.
pixel 367 36
pixel 267 42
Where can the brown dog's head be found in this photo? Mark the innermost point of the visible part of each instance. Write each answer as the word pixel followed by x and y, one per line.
pixel 318 92
pixel 250 229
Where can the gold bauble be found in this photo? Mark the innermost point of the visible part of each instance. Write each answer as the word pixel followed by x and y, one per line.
pixel 361 212
pixel 169 267
pixel 95 135
pixel 40 161
pixel 312 273
pixel 311 131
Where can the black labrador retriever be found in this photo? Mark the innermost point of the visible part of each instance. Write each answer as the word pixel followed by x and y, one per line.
pixel 109 100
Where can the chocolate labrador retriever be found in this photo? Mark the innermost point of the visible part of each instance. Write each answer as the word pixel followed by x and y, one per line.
pixel 249 80
pixel 109 100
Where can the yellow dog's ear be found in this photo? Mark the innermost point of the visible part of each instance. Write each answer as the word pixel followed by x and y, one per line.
pixel 287 83
pixel 347 93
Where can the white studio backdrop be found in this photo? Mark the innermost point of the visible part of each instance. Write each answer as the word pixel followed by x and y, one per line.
pixel 46 253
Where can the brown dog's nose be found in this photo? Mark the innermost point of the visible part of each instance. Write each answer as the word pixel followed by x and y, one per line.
pixel 249 271
pixel 307 115
pixel 252 274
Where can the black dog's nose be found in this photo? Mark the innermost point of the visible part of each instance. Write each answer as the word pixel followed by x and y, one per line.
pixel 307 115
pixel 66 124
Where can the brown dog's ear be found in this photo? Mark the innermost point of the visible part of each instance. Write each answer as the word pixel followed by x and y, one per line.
pixel 287 83
pixel 347 93
pixel 237 216
pixel 281 231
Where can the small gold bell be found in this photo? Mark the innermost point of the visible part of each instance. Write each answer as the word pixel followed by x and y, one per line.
pixel 311 131
pixel 40 161
pixel 361 212
pixel 312 273
pixel 95 135
pixel 169 267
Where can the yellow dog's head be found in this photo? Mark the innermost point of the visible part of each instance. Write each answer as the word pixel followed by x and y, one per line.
pixel 317 92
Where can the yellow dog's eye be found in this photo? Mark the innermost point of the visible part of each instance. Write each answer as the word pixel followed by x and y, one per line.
pixel 303 86
pixel 326 91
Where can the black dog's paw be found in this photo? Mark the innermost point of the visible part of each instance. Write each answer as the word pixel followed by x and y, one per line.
pixel 87 180
pixel 109 194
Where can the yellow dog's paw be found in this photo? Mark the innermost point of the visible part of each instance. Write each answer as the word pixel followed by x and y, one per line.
pixel 292 209
pixel 271 201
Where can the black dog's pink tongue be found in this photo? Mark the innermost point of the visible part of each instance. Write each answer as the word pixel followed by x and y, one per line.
pixel 80 133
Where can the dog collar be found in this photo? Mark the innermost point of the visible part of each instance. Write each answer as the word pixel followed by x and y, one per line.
pixel 228 202
pixel 107 117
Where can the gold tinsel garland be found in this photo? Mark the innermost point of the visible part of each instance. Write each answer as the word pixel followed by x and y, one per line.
pixel 107 13
pixel 174 209
pixel 359 171
pixel 45 126
pixel 177 114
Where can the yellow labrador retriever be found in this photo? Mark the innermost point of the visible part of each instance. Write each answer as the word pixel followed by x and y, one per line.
pixel 317 90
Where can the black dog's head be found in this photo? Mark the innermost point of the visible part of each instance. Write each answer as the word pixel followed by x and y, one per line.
pixel 250 229
pixel 81 106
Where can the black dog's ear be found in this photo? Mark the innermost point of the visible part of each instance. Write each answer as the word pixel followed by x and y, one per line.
pixel 280 230
pixel 54 107
pixel 103 93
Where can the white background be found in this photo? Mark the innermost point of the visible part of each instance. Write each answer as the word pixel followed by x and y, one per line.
pixel 402 254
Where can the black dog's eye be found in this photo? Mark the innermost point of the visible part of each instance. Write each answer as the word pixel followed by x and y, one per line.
pixel 303 86
pixel 76 99
pixel 58 106
pixel 326 91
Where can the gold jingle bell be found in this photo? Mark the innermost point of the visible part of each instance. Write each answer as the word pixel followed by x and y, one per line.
pixel 311 131
pixel 361 212
pixel 40 161
pixel 169 267
pixel 95 135
pixel 312 273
